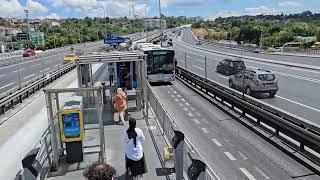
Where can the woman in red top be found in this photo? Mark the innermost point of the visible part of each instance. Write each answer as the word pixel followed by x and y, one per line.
pixel 120 104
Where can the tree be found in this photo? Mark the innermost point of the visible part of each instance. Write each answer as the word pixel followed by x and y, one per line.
pixel 317 33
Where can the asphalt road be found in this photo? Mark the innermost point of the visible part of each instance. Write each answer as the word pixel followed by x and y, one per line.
pixel 229 148
pixel 9 75
pixel 297 86
pixel 188 37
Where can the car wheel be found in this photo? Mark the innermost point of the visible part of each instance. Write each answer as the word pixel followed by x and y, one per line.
pixel 248 91
pixel 272 94
pixel 231 84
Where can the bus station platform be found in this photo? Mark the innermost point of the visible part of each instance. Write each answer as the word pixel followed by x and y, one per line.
pixel 114 146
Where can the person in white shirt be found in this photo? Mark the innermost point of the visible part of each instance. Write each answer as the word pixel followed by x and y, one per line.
pixel 133 138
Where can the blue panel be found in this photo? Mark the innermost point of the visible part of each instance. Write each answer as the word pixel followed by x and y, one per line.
pixel 71 125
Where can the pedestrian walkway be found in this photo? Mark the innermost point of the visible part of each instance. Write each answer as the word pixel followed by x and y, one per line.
pixel 115 155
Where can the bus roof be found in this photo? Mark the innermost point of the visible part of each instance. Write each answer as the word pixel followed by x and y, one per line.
pixel 156 47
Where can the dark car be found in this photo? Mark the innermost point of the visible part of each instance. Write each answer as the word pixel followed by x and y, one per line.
pixel 230 66
pixel 29 53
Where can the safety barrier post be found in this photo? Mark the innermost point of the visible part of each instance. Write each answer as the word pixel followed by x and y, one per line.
pixel 205 67
pixel 185 60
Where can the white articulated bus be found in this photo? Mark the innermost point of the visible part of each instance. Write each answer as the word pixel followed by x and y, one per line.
pixel 160 63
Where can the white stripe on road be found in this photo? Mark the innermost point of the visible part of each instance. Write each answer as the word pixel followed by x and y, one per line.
pixel 179 96
pixel 230 156
pixel 35 65
pixel 242 155
pixel 198 67
pixel 225 77
pixel 175 92
pixel 190 114
pixel 196 121
pixel 186 109
pixel 19 70
pixel 262 173
pixel 216 142
pixel 205 130
pixel 7 85
pixel 187 104
pixel 172 96
pixel 45 70
pixel 188 56
pixel 247 173
pixel 177 100
pixel 2 75
pixel 29 76
pixel 183 100
pixel 318 110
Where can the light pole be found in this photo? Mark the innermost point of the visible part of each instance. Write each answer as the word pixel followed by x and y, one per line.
pixel 104 15
pixel 26 11
pixel 19 74
pixel 160 22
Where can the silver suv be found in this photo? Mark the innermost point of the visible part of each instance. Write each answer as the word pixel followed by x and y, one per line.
pixel 255 81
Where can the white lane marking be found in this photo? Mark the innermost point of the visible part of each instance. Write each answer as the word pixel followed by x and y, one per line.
pixel 175 92
pixel 186 109
pixel 198 114
pixel 35 65
pixel 187 104
pixel 192 109
pixel 196 121
pixel 7 85
pixel 45 70
pixel 294 76
pixel 172 96
pixel 190 114
pixel 216 142
pixel 169 92
pixel 188 56
pixel 2 75
pixel 198 67
pixel 29 76
pixel 205 130
pixel 225 77
pixel 19 70
pixel 262 173
pixel 179 96
pixel 318 110
pixel 247 173
pixel 230 156
pixel 177 100
pixel 183 100
pixel 180 104
pixel 242 155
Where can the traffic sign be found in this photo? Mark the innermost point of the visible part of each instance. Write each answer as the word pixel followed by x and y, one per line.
pixel 114 39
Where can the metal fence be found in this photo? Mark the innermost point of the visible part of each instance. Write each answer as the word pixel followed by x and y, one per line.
pixel 167 124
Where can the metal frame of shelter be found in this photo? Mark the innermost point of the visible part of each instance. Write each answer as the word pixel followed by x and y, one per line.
pixel 53 109
pixel 85 73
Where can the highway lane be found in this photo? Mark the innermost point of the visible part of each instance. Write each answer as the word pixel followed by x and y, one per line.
pixel 9 75
pixel 188 38
pixel 297 86
pixel 229 148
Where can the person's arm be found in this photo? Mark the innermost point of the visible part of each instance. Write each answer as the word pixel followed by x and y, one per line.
pixel 142 138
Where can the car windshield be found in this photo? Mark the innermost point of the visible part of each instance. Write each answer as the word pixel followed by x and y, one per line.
pixel 237 64
pixel 267 77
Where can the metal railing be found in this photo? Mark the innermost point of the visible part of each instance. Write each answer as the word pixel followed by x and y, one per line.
pixel 167 124
pixel 300 131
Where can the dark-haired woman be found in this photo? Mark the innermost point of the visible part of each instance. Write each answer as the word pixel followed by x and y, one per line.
pixel 135 162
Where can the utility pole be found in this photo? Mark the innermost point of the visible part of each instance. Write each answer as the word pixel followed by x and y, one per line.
pixel 160 23
pixel 105 20
pixel 26 11
pixel 145 11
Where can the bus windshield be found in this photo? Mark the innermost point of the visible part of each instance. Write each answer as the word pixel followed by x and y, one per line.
pixel 160 61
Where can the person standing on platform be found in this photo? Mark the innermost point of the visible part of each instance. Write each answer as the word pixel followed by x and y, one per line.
pixel 134 156
pixel 120 104
pixel 111 73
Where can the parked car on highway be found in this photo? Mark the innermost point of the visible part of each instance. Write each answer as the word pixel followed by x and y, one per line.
pixel 198 42
pixel 29 53
pixel 69 58
pixel 230 66
pixel 255 81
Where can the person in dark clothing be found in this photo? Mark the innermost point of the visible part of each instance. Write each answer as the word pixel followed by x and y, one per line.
pixel 111 73
pixel 99 171
pixel 135 161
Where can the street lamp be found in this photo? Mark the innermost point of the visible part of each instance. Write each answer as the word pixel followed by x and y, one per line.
pixel 26 11
pixel 160 23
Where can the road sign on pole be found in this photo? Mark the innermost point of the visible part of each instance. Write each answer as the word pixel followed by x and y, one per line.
pixel 114 39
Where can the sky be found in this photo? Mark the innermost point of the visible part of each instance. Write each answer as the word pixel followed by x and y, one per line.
pixel 208 9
